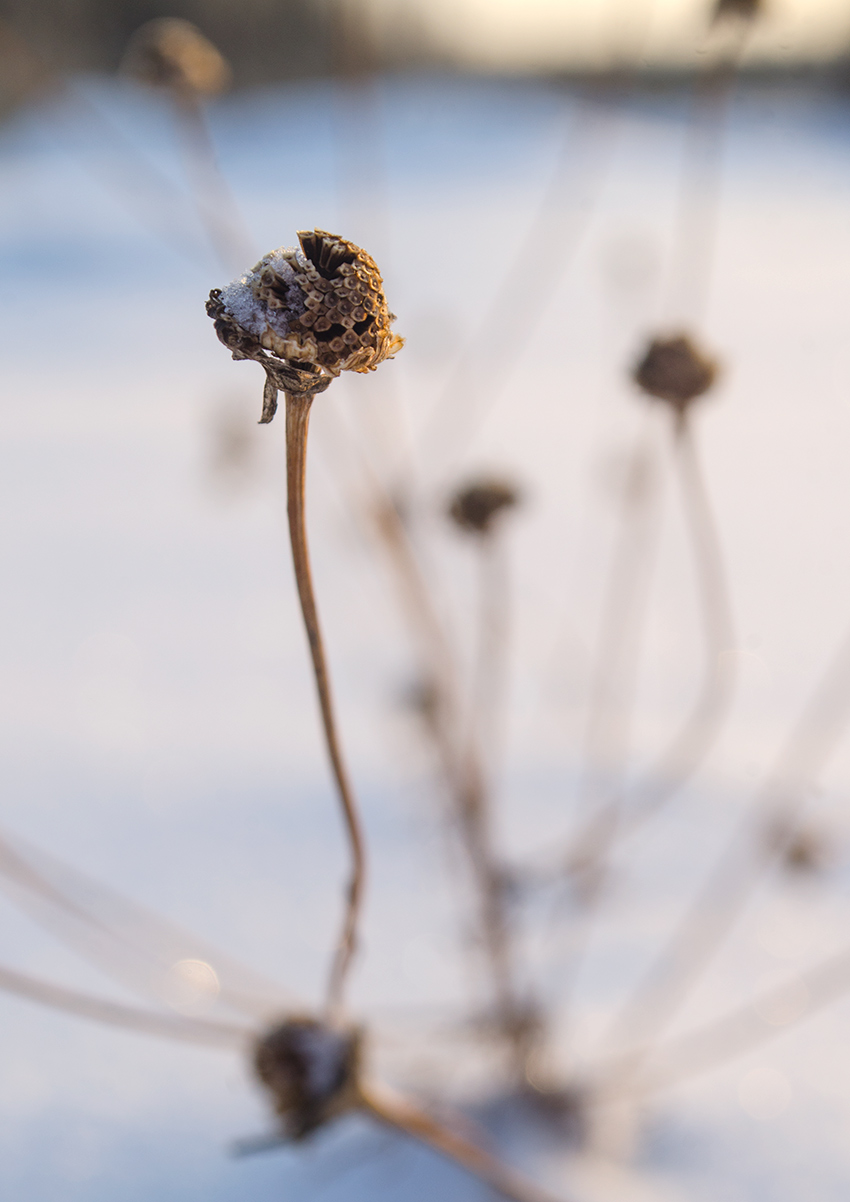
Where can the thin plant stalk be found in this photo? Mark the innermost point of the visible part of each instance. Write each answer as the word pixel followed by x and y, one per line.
pixel 297 423
pixel 493 634
pixel 699 732
pixel 697 735
pixel 216 206
pixel 747 858
pixel 481 372
pixel 462 770
pixel 612 698
pixel 398 1112
pixel 699 199
pixel 735 1033
pixel 613 684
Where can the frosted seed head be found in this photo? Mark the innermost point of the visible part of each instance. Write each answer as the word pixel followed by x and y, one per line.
pixel 674 370
pixel 172 53
pixel 476 506
pixel 311 1070
pixel 301 305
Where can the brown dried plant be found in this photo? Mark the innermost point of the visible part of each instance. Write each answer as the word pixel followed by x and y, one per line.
pixel 321 310
pixel 172 55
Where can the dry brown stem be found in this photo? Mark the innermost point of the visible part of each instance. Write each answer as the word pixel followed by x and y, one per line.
pixel 463 772
pixel 694 740
pixel 699 198
pixel 401 1114
pixel 297 422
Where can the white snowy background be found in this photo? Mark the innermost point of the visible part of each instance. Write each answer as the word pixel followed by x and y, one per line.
pixel 158 727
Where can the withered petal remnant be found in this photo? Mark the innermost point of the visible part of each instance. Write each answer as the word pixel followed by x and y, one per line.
pixel 318 310
pixel 675 370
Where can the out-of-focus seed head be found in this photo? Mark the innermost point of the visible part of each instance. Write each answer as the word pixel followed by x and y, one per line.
pixel 674 370
pixel 804 851
pixel 740 10
pixel 476 506
pixel 321 306
pixel 311 1071
pixel 172 53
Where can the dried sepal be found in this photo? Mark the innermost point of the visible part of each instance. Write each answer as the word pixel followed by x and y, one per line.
pixel 675 370
pixel 476 506
pixel 281 375
pixel 311 1070
pixel 172 53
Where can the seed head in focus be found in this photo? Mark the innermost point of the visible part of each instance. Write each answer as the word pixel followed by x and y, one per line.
pixel 172 53
pixel 319 309
pixel 311 1069
pixel 476 506
pixel 675 370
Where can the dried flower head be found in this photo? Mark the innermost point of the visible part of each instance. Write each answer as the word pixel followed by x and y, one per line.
pixel 802 850
pixel 674 370
pixel 319 310
pixel 311 1070
pixel 172 53
pixel 476 506
pixel 743 10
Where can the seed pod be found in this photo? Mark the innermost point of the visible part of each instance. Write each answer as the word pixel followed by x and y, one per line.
pixel 172 53
pixel 674 370
pixel 320 308
pixel 311 1070
pixel 802 850
pixel 476 506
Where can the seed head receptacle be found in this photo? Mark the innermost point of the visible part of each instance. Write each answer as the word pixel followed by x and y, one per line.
pixel 675 370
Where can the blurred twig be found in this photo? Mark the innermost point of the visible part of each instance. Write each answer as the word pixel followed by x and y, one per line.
pixel 765 1017
pixel 747 858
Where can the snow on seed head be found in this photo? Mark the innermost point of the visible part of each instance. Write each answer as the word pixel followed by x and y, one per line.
pixel 322 305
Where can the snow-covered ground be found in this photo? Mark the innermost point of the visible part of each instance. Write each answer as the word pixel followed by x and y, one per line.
pixel 158 728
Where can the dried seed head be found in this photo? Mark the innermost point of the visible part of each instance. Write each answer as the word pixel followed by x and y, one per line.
pixel 321 308
pixel 674 370
pixel 172 53
pixel 803 850
pixel 476 506
pixel 742 10
pixel 311 1070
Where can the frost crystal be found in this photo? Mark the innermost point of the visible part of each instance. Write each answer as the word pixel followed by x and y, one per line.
pixel 265 316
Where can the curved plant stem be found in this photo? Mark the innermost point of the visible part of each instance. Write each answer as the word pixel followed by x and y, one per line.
pixel 698 733
pixel 462 769
pixel 743 864
pixel 401 1114
pixel 613 686
pixel 693 741
pixel 297 422
pixel 734 1033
